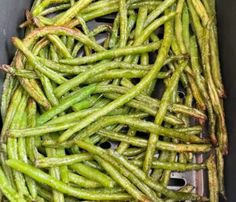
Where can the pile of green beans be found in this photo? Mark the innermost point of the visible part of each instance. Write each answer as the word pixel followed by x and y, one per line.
pixel 107 111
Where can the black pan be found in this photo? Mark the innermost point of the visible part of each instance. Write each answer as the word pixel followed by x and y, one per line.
pixel 12 14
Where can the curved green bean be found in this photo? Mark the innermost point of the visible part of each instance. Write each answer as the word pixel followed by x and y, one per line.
pixel 44 178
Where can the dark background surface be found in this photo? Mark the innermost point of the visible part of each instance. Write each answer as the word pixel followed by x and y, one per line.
pixel 226 14
pixel 11 16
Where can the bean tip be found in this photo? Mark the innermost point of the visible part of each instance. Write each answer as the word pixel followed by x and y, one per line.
pixel 4 67
pixel 202 120
pixel 214 140
pixel 13 39
pixel 222 94
pixel 222 193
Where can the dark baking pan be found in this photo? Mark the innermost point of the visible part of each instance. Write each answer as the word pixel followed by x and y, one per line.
pixel 12 14
pixel 227 43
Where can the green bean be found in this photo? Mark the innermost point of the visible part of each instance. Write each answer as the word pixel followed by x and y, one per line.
pixel 131 120
pixel 220 172
pixel 64 160
pixel 143 187
pixel 199 8
pixel 170 156
pixel 112 54
pixel 79 69
pixel 138 142
pixel 196 93
pixel 13 147
pixel 113 74
pixel 196 66
pixel 212 179
pixel 162 145
pixel 196 22
pixel 61 68
pixel 64 18
pixel 109 8
pixel 98 5
pixel 223 140
pixel 171 165
pixel 35 4
pixel 44 178
pixel 49 90
pixel 123 181
pixel 216 74
pixel 8 190
pixel 196 69
pixel 8 89
pixel 142 14
pixel 123 146
pixel 70 44
pixel 64 173
pixel 131 93
pixel 153 139
pixel 44 194
pixel 187 188
pixel 65 104
pixel 101 12
pixel 75 116
pixel 156 12
pixel 140 125
pixel 123 23
pixel 93 164
pixel 214 48
pixel 132 151
pixel 71 117
pixel 131 22
pixel 41 44
pixel 40 130
pixel 83 182
pixel 12 109
pixel 130 176
pixel 177 50
pixel 37 65
pixel 186 23
pixel 84 104
pixel 179 26
pixel 59 91
pixel 153 102
pixel 94 32
pixel 22 153
pixel 53 53
pixel 151 5
pixel 95 139
pixel 30 142
pixel 19 72
pixel 59 30
pixel 55 9
pixel 138 173
pixel 10 116
pixel 115 30
pixel 86 31
pixel 54 172
pixel 140 156
pixel 40 7
pixel 150 29
pixel 64 40
pixel 93 174
pixel 58 43
pixel 72 12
